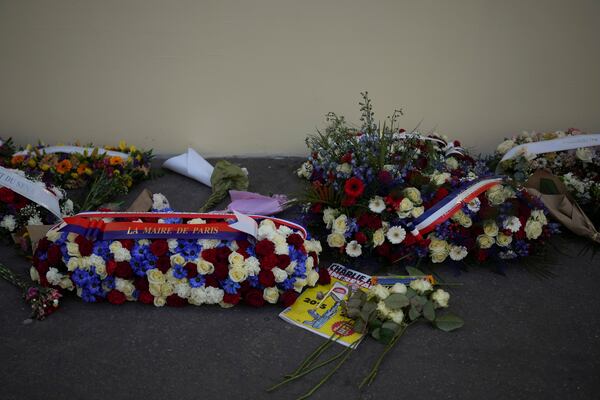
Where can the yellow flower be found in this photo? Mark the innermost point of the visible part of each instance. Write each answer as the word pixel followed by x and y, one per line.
pixel 74 175
pixel 122 145
pixel 45 167
pixel 132 148
pixel 31 163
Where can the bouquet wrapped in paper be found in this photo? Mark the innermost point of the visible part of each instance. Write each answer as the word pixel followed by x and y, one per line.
pixel 402 196
pixel 572 156
pixel 168 258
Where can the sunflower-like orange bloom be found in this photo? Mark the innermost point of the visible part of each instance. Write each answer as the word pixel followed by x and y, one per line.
pixel 64 166
pixel 81 168
pixel 115 160
pixel 17 160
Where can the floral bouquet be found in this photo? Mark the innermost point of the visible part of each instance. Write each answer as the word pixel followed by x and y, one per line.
pixel 162 257
pixel 403 196
pixel 43 301
pixel 577 167
pixel 17 211
pixel 7 149
pixel 107 172
pixel 384 313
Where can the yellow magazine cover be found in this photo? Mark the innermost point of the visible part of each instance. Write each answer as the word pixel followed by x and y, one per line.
pixel 318 309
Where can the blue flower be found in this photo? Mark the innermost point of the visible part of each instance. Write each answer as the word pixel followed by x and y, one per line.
pixel 179 271
pixel 288 284
pixel 197 281
pixel 230 286
pixel 253 280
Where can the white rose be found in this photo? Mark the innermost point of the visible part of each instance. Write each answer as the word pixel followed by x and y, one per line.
pixel 236 259
pixel 490 228
pixel 413 194
pixel 503 240
pixel 340 224
pixel 266 229
pixel 378 237
pixel 383 310
pixel 538 215
pixel 397 316
pixel 405 205
pixel 172 243
pixel 441 297
pixel 155 276
pixel 66 284
pixel 439 257
pixel 73 263
pixel 309 264
pixel 376 204
pixel 73 249
pixel 208 243
pixel 271 295
pixel 196 221
pixel 238 274
pixel 124 286
pixel 9 223
pixel 398 288
pixel 204 267
pixel 159 301
pixel 533 229
pixel 379 291
pixel 52 235
pixel 439 178
pixel 53 276
pixel 159 202
pixel 336 240
pixel 344 168
pixel 420 285
pixel 496 195
pixel 183 290
pixel 177 259
pixel 484 241
pixel 417 211
pixel 299 284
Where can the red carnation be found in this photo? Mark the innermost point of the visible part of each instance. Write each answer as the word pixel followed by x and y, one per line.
pixel 360 237
pixel 6 195
pixel 354 187
pixel 127 243
pixel 43 245
pixel 159 247
pixel 85 246
pixel 145 297
pixel 111 266
pixel 295 240
pixel 232 298
pixel 254 298
pixel 223 254
pixel 482 255
pixel 211 281
pixel 266 278
pixel 192 270
pixel 346 158
pixel 163 264
pixel 283 260
pixel 288 297
pixel 221 271
pixel 116 297
pixel 176 301
pixel 123 270
pixel 268 262
pixel 141 284
pixel 54 255
pixel 242 244
pixel 324 277
pixel 264 247
pixel 210 255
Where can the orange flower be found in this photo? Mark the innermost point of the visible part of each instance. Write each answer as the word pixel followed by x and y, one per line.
pixel 115 160
pixel 17 160
pixel 63 167
pixel 81 169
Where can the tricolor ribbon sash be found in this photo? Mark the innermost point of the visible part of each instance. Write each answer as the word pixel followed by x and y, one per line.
pixel 34 191
pixel 450 205
pixel 135 225
pixel 74 149
pixel 549 146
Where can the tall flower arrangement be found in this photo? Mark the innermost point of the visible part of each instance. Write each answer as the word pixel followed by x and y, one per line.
pixel 369 187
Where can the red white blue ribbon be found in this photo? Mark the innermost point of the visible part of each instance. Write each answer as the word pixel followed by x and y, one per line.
pixel 450 205
pixel 34 191
pixel 136 225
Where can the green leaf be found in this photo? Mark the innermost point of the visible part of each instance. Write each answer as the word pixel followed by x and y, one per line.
pixel 359 325
pixel 396 301
pixel 448 322
pixel 429 311
pixel 375 323
pixel 391 325
pixel 386 335
pixel 367 310
pixel 412 271
pixel 420 300
pixel 375 333
pixel 547 186
pixel 413 313
pixel 410 293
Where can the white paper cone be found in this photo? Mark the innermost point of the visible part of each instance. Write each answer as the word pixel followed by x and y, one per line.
pixel 192 165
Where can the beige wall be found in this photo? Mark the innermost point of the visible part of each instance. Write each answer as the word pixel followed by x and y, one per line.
pixel 254 77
